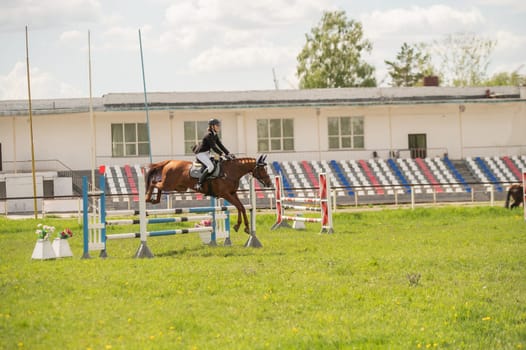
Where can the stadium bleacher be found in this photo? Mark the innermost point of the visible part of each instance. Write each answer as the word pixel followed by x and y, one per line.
pixel 373 177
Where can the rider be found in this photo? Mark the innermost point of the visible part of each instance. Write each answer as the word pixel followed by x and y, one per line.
pixel 210 141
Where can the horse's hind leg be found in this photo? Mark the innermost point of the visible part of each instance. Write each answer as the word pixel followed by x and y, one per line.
pixel 149 193
pixel 157 199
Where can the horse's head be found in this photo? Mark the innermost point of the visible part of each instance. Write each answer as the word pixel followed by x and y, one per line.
pixel 260 171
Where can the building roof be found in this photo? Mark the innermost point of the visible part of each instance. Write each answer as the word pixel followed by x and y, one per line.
pixel 264 98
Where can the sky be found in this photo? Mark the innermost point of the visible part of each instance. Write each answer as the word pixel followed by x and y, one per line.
pixel 220 45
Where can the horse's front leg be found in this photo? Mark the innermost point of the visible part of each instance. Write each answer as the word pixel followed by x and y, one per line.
pixel 241 212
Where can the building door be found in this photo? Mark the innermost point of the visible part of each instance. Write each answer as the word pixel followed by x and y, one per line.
pixel 417 145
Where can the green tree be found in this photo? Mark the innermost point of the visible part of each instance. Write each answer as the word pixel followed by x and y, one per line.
pixel 464 58
pixel 332 55
pixel 506 79
pixel 411 65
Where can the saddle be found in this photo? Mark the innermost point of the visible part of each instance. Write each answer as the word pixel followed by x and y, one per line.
pixel 197 169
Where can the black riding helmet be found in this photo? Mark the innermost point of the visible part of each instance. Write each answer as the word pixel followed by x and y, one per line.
pixel 214 121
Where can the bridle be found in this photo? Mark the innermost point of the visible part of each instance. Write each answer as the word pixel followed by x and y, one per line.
pixel 256 172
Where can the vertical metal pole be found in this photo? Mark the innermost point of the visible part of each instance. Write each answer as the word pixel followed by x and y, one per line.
pixel 31 129
pixel 412 197
pixel 145 100
pixel 492 195
pixel 91 117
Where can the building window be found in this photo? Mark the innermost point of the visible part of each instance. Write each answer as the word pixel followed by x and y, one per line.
pixel 193 133
pixel 346 133
pixel 275 135
pixel 129 140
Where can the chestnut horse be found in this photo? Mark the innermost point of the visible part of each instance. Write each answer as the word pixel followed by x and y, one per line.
pixel 170 175
pixel 516 192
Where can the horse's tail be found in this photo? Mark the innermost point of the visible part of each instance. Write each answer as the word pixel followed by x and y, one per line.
pixel 154 169
pixel 507 203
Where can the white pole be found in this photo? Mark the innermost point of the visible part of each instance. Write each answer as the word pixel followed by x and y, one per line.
pixel 412 197
pixel 252 207
pixel 145 99
pixel 31 128
pixel 91 117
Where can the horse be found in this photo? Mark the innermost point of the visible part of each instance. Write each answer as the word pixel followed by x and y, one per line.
pixel 516 192
pixel 170 175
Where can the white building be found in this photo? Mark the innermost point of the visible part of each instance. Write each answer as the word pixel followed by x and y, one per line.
pixel 353 123
pixel 458 121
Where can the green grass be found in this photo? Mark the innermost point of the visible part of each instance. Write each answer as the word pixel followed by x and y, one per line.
pixel 399 279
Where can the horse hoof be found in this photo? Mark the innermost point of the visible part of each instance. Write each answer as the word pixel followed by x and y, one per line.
pixel 236 228
pixel 247 231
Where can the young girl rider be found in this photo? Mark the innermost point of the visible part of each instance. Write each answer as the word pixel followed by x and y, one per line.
pixel 209 142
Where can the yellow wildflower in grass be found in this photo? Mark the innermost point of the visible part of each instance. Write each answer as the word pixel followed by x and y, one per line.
pixel 487 318
pixel 295 330
pixel 20 344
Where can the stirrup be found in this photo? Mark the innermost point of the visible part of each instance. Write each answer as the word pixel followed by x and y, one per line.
pixel 197 186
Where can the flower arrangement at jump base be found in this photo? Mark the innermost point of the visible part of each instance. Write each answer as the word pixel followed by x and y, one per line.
pixel 43 231
pixel 45 250
pixel 65 234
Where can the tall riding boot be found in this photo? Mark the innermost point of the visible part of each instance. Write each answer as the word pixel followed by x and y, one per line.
pixel 202 179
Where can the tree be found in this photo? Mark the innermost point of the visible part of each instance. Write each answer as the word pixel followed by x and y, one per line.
pixel 332 55
pixel 464 58
pixel 411 65
pixel 506 79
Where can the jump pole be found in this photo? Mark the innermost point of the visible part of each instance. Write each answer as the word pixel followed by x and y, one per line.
pixel 323 200
pixel 252 241
pixel 94 228
pixel 143 251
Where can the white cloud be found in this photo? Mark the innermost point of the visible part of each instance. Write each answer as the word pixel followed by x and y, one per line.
pixel 13 86
pixel 416 21
pixel 71 36
pixel 14 15
pixel 127 38
pixel 510 41
pixel 218 58
pixel 240 13
pixel 190 22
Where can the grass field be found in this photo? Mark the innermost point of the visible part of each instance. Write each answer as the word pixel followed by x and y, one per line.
pixel 400 279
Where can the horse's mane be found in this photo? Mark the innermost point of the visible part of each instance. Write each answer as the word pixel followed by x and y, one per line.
pixel 244 160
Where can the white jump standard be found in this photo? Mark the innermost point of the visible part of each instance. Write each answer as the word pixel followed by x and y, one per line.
pixel 320 204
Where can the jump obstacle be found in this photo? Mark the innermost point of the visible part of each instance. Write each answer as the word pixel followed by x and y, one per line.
pixel 320 204
pixel 95 237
